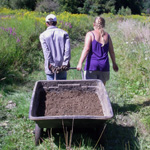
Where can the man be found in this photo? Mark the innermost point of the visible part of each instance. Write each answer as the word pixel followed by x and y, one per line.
pixel 55 43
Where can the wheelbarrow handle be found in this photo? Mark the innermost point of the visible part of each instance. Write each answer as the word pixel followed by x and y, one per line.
pixel 72 68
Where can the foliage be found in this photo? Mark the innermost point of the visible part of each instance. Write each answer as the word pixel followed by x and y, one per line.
pixel 4 3
pixel 70 5
pixel 124 11
pixel 146 7
pixel 19 47
pixel 134 5
pixel 22 4
pixel 17 54
pixel 93 7
pixel 110 6
pixel 96 7
pixel 47 6
pixel 128 89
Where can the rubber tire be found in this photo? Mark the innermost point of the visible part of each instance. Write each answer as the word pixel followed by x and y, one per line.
pixel 38 134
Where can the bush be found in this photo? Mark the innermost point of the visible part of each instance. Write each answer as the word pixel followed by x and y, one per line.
pixel 4 3
pixel 47 6
pixel 18 4
pixel 124 11
pixel 20 51
pixel 20 48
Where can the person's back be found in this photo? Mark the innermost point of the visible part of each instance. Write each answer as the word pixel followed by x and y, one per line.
pixel 97 45
pixel 54 38
pixel 97 59
pixel 55 43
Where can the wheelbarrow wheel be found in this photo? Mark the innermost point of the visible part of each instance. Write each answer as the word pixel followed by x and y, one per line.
pixel 38 134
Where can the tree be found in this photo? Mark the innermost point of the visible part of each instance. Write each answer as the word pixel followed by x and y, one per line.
pixel 47 6
pixel 110 6
pixel 4 3
pixel 146 6
pixel 134 5
pixel 22 4
pixel 98 6
pixel 71 5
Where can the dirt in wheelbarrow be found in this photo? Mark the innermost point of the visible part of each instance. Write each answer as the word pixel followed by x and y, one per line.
pixel 69 102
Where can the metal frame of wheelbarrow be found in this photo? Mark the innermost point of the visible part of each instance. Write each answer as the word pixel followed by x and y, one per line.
pixel 80 121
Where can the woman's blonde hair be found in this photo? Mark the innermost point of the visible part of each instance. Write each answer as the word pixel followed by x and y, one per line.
pixel 100 24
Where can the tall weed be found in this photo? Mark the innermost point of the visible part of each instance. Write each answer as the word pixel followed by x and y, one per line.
pixel 19 46
pixel 20 30
pixel 135 55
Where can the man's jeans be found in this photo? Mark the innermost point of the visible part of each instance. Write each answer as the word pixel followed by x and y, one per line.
pixel 59 76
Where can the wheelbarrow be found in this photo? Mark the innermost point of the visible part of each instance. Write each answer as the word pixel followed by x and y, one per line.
pixel 44 87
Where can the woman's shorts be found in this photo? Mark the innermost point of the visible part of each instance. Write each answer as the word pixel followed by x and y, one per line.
pixel 104 76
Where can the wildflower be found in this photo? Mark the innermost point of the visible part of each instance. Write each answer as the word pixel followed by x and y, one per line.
pixel 69 24
pixel 146 52
pixel 10 30
pixel 134 51
pixel 18 40
pixel 61 22
pixel 14 33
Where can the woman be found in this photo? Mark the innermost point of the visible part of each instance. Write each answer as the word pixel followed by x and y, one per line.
pixel 97 45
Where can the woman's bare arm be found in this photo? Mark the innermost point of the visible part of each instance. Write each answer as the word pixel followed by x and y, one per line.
pixel 112 55
pixel 85 51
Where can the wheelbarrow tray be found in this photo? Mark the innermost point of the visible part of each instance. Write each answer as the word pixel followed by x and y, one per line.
pixel 79 121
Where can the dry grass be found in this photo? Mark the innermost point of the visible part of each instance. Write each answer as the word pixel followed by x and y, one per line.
pixel 135 31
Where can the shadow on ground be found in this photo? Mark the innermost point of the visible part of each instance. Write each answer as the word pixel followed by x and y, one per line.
pixel 129 107
pixel 114 137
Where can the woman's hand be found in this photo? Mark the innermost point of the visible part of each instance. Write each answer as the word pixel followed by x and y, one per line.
pixel 115 67
pixel 79 67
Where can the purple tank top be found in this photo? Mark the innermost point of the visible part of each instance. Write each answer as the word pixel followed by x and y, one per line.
pixel 97 59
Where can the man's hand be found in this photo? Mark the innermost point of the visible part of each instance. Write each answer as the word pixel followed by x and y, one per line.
pixel 65 67
pixel 52 68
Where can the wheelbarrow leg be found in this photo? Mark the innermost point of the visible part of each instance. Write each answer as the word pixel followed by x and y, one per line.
pixel 38 134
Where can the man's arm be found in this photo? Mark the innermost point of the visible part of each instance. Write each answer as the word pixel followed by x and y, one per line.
pixel 46 51
pixel 67 52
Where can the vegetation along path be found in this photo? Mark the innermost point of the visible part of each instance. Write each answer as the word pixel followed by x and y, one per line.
pixel 128 89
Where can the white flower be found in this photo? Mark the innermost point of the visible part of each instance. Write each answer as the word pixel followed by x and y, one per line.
pixel 134 51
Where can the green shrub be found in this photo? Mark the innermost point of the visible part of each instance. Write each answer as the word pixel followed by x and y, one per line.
pixel 47 6
pixel 19 49
pixel 22 4
pixel 124 11
pixel 20 29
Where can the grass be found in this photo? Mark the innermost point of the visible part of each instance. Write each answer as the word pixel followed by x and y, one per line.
pixel 16 128
pixel 128 91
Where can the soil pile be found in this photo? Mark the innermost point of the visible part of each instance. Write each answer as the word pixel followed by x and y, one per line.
pixel 69 102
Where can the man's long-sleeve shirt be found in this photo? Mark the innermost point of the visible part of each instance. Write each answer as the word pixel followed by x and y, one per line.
pixel 56 47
